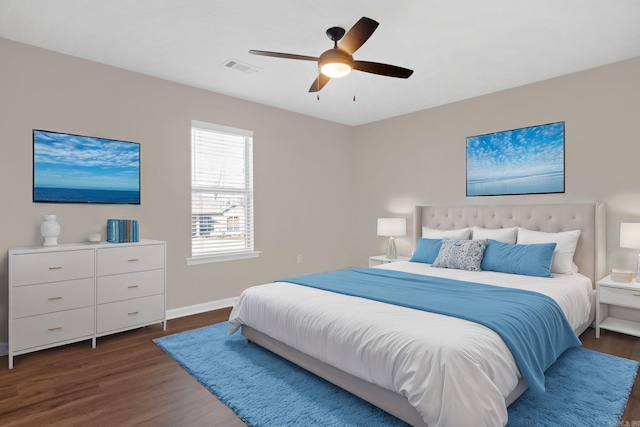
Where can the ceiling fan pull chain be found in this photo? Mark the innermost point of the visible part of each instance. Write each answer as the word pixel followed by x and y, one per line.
pixel 353 85
pixel 318 84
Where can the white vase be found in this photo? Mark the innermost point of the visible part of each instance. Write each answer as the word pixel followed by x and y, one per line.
pixel 50 230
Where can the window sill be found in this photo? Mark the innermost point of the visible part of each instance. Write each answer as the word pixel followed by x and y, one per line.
pixel 206 259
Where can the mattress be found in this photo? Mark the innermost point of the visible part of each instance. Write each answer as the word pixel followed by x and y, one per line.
pixel 453 371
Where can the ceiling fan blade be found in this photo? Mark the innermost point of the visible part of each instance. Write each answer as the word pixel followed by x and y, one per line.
pixel 358 34
pixel 319 83
pixel 283 55
pixel 382 69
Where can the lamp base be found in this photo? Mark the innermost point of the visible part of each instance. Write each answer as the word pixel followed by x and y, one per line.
pixel 391 249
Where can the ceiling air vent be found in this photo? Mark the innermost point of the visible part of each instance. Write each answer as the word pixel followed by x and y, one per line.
pixel 240 66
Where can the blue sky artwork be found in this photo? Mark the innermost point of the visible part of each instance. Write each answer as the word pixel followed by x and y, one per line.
pixel 521 161
pixel 80 166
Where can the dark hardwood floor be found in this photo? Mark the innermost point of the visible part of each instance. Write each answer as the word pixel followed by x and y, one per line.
pixel 125 381
pixel 128 381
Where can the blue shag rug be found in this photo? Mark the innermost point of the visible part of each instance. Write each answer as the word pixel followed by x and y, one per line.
pixel 584 387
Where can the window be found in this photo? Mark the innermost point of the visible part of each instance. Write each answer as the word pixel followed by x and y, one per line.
pixel 221 193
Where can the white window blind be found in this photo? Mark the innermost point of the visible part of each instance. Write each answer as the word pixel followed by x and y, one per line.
pixel 221 191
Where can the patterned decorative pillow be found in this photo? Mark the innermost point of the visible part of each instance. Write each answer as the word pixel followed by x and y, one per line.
pixel 461 254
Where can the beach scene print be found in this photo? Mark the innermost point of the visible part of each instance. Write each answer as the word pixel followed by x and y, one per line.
pixel 521 161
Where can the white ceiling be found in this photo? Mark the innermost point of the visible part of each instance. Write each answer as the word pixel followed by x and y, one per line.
pixel 458 49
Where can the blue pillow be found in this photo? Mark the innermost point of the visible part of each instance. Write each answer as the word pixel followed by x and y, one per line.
pixel 529 260
pixel 427 251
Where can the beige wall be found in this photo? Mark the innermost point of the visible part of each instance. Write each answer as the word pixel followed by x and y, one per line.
pixel 303 170
pixel 419 158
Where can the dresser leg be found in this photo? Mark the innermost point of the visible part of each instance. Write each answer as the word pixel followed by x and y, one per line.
pixel 93 342
pixel 10 361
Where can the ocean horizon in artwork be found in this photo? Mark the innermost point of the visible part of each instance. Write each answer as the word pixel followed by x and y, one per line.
pixel 81 169
pixel 521 161
pixel 85 195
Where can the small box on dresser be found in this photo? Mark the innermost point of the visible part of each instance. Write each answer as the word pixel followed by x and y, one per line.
pixel 74 292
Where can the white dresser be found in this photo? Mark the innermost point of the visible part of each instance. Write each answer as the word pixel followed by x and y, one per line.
pixel 68 293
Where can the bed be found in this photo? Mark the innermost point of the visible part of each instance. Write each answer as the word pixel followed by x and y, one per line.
pixel 382 358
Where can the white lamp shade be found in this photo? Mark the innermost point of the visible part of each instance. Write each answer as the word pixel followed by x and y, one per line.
pixel 392 227
pixel 630 235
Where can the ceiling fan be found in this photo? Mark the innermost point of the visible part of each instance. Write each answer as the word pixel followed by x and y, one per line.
pixel 338 61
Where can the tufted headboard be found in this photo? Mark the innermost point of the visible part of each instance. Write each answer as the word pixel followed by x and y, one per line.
pixel 590 256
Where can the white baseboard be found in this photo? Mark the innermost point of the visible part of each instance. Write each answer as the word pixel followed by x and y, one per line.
pixel 4 348
pixel 174 313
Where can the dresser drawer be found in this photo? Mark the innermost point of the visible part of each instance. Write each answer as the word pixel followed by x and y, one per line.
pixel 129 313
pixel 128 259
pixel 51 297
pixel 36 331
pixel 120 287
pixel 621 297
pixel 33 268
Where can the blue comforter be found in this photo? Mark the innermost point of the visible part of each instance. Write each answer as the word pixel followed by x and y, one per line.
pixel 532 325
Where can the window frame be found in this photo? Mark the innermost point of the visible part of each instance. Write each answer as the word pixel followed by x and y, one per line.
pixel 229 255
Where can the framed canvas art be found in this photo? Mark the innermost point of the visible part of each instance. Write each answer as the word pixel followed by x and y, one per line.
pixel 527 160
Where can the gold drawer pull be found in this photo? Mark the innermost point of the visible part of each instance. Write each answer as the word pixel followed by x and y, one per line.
pixel 56 328
pixel 54 298
pixel 133 259
pixel 133 313
pixel 132 286
pixel 55 268
pixel 636 295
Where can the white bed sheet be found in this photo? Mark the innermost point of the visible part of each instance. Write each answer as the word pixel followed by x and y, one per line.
pixel 454 372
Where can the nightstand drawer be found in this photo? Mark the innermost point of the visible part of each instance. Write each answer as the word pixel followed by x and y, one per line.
pixel 51 297
pixel 620 297
pixel 30 269
pixel 35 331
pixel 128 259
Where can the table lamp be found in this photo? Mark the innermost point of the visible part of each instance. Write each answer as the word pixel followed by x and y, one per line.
pixel 392 227
pixel 630 238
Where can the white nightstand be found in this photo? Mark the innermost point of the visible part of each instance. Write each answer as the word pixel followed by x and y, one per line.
pixel 382 259
pixel 618 307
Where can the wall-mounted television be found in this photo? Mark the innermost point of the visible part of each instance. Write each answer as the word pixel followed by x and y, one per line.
pixel 70 168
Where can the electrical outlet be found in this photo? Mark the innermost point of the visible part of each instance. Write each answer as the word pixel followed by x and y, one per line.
pixel 299 258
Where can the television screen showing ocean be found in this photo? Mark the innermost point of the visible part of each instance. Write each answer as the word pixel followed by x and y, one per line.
pixel 84 195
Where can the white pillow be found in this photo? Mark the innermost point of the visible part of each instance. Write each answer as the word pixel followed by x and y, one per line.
pixel 504 235
pixel 459 234
pixel 566 241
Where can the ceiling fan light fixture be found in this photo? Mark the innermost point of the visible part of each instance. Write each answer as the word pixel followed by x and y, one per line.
pixel 335 70
pixel 335 63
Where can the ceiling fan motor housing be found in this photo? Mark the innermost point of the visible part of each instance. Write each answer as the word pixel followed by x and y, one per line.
pixel 340 61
